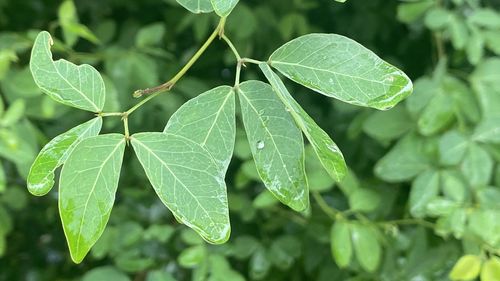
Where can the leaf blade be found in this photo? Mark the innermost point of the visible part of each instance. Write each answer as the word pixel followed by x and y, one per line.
pixel 77 86
pixel 79 220
pixel 55 153
pixel 208 120
pixel 195 172
pixel 329 64
pixel 271 131
pixel 326 150
pixel 223 7
pixel 196 6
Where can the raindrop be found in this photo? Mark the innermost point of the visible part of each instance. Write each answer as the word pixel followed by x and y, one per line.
pixel 260 145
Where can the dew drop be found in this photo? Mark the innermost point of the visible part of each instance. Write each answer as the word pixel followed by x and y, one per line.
pixel 260 145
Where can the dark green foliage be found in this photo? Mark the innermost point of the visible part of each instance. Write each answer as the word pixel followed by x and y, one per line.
pixel 419 200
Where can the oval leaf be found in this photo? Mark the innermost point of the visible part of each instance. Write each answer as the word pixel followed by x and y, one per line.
pixel 491 269
pixel 276 143
pixel 196 6
pixel 327 151
pixel 338 67
pixel 366 246
pixel 223 7
pixel 80 86
pixel 466 268
pixel 424 189
pixel 340 241
pixel 187 180
pixel 209 121
pixel 88 184
pixel 55 153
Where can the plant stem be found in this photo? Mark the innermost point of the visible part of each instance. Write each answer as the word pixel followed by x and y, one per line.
pixel 125 125
pixel 251 61
pixel 409 222
pixel 170 83
pixel 109 114
pixel 331 212
pixel 231 46
pixel 155 91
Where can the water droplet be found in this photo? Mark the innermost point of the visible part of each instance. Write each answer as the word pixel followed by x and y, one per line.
pixel 288 109
pixel 260 145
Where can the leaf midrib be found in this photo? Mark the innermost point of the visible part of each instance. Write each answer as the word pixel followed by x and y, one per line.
pixel 176 178
pixel 92 191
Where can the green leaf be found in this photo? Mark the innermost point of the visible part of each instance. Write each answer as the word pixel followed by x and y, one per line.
pixel 458 32
pixel 423 190
pixel 477 166
pixel 388 125
pixel 78 86
pixel 364 200
pixel 409 12
pixel 223 7
pixel 105 273
pixel 276 144
pixel 188 181
pixel 452 147
pixel 475 47
pixel 491 269
pixel 486 82
pixel 264 200
pixel 485 225
pixel 466 268
pixel 3 179
pixel 192 256
pixel 150 35
pixel 72 29
pixel 437 115
pixel 196 6
pixel 437 18
pixel 366 246
pixel 14 113
pixel 485 17
pixel 340 242
pixel 488 130
pixel 404 161
pixel 327 151
pixel 88 184
pixel 339 67
pixel 55 153
pixel 209 121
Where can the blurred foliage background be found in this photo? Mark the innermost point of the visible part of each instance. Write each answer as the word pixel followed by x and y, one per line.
pixel 424 186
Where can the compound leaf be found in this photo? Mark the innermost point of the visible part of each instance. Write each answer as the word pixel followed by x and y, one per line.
pixel 339 67
pixel 88 184
pixel 78 86
pixel 276 144
pixel 187 180
pixel 327 151
pixel 55 153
